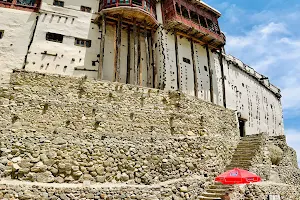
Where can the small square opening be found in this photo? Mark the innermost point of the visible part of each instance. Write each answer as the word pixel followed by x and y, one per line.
pixel 1 34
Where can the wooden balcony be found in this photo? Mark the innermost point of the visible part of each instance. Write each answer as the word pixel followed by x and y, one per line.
pixel 28 5
pixel 143 11
pixel 195 21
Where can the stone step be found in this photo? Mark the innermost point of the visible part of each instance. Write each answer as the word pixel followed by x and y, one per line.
pixel 249 151
pixel 208 198
pixel 248 146
pixel 218 190
pixel 220 186
pixel 240 167
pixel 250 141
pixel 241 159
pixel 215 195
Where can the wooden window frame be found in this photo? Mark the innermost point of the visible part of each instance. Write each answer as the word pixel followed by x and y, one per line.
pixel 49 37
pixel 86 9
pixel 59 3
pixel 83 42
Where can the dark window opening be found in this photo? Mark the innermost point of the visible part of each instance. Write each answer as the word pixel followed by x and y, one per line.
pixel 202 21
pixel 26 2
pixel 178 9
pixel 194 17
pixel 186 60
pixel 85 9
pixel 210 25
pixel 205 68
pixel 58 3
pixel 217 29
pixel 1 34
pixel 82 42
pixel 137 2
pixel 185 12
pixel 242 127
pixel 54 37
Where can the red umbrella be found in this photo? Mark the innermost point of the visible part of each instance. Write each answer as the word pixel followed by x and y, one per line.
pixel 237 176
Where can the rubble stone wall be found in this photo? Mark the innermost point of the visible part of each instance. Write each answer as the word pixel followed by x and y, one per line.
pixel 58 129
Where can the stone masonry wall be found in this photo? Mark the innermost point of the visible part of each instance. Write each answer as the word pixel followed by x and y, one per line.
pixel 58 129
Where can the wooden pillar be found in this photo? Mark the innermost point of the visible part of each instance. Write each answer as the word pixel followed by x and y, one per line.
pixel 154 69
pixel 101 59
pixel 135 36
pixel 223 77
pixel 118 50
pixel 139 66
pixel 194 70
pixel 147 57
pixel 128 55
pixel 177 63
pixel 211 87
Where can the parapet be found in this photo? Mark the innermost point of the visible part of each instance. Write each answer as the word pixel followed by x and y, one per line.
pixel 263 80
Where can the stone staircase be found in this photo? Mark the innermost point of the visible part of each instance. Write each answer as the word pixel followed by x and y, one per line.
pixel 244 153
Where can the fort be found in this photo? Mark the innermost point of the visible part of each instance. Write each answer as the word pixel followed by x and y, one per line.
pixel 132 99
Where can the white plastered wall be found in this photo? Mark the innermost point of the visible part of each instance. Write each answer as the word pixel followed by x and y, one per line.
pixel 76 4
pixel 259 106
pixel 202 72
pixel 165 58
pixel 18 27
pixel 186 66
pixel 216 78
pixel 64 58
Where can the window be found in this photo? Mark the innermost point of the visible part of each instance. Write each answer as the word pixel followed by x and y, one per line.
pixel 85 9
pixel 26 2
pixel 186 60
pixel 58 3
pixel 82 42
pixel 54 37
pixel 178 9
pixel 194 17
pixel 211 26
pixel 202 21
pixel 1 34
pixel 137 2
pixel 185 12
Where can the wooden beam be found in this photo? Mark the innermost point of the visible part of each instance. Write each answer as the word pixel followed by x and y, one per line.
pixel 155 79
pixel 223 77
pixel 194 70
pixel 211 87
pixel 130 22
pixel 118 50
pixel 139 66
pixel 211 41
pixel 128 55
pixel 135 65
pixel 101 59
pixel 148 59
pixel 177 63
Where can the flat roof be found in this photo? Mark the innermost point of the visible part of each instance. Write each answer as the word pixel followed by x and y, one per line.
pixel 210 8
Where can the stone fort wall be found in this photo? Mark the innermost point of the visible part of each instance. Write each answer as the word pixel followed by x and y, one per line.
pixel 59 130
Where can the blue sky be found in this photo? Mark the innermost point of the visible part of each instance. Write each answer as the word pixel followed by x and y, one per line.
pixel 265 34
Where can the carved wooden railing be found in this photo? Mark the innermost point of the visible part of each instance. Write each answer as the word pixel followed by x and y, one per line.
pixel 146 5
